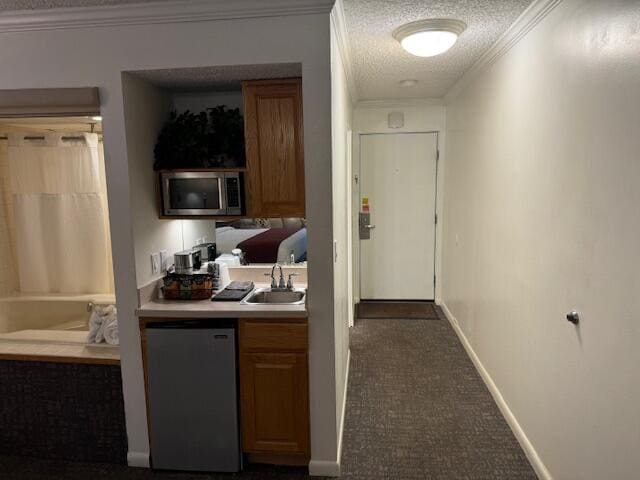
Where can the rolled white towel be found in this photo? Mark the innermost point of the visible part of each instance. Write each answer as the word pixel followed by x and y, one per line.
pixel 101 317
pixel 95 326
pixel 111 332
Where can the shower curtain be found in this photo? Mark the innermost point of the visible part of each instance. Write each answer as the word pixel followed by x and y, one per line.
pixel 61 229
pixel 8 277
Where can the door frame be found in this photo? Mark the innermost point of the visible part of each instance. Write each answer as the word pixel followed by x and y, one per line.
pixel 437 213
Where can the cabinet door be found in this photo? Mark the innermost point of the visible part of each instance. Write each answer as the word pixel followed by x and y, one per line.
pixel 274 147
pixel 274 402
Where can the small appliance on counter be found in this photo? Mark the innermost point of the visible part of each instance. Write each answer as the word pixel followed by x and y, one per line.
pixel 208 251
pixel 188 261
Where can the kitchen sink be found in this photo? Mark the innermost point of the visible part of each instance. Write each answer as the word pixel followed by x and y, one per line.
pixel 266 296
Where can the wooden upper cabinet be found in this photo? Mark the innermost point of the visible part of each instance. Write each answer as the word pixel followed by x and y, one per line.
pixel 274 147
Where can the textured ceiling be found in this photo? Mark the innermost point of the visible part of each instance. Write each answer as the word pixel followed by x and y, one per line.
pixel 379 62
pixel 44 4
pixel 221 78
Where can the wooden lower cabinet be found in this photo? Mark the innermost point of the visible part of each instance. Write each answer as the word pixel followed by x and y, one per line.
pixel 274 391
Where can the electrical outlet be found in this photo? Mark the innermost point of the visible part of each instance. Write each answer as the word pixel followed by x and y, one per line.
pixel 164 260
pixel 155 263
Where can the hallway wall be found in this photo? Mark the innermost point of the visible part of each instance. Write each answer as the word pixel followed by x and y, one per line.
pixel 542 216
pixel 341 111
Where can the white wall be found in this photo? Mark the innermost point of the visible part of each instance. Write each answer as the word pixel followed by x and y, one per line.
pixel 420 115
pixel 542 217
pixel 146 108
pixel 195 230
pixel 96 56
pixel 341 111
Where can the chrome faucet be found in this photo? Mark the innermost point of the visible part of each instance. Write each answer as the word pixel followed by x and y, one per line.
pixel 277 285
pixel 290 281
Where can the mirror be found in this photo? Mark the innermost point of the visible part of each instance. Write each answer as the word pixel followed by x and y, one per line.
pixel 264 240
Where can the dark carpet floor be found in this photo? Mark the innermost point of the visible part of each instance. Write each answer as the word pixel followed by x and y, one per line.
pixel 416 410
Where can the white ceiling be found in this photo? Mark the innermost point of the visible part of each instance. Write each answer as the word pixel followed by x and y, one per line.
pixel 379 62
pixel 45 4
pixel 219 78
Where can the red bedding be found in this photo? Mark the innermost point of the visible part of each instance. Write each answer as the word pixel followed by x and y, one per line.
pixel 263 248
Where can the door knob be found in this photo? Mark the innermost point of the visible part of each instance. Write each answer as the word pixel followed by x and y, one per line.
pixel 369 226
pixel 573 317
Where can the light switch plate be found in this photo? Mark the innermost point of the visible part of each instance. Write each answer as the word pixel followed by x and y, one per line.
pixel 164 260
pixel 155 263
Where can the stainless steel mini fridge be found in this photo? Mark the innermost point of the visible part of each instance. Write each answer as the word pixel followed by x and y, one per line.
pixel 193 406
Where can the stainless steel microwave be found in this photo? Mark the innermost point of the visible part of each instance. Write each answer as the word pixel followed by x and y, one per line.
pixel 202 193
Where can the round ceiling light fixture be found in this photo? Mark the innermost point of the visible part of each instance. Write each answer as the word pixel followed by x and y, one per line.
pixel 431 37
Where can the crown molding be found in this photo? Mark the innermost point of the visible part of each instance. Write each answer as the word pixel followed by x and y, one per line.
pixel 533 15
pixel 401 103
pixel 340 28
pixel 174 11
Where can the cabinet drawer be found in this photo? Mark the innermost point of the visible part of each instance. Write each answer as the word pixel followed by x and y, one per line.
pixel 260 335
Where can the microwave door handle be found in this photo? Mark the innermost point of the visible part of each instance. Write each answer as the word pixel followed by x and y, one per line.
pixel 166 197
pixel 222 193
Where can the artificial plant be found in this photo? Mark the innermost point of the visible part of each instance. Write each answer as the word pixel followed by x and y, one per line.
pixel 209 139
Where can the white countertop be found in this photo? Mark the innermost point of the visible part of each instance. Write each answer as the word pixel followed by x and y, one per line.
pixel 209 309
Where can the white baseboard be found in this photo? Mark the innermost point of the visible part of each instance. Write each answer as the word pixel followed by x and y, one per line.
pixel 138 459
pixel 322 468
pixel 344 407
pixel 529 450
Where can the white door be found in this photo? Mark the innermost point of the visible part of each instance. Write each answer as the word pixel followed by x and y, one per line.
pixel 398 175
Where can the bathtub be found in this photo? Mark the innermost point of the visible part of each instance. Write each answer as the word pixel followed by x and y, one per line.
pixel 50 312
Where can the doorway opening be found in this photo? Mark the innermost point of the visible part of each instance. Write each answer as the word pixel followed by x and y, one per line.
pixel 397 222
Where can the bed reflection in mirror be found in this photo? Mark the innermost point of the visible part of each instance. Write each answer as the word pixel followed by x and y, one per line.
pixel 264 240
